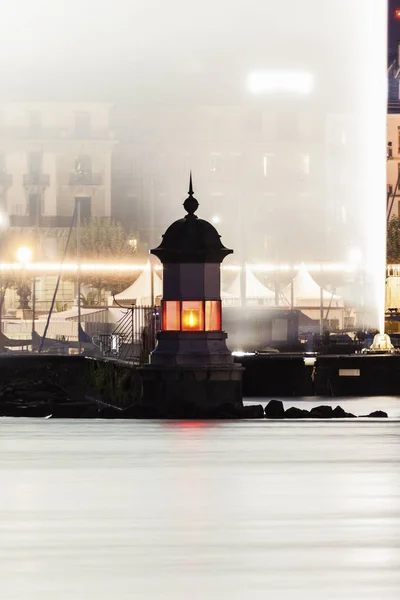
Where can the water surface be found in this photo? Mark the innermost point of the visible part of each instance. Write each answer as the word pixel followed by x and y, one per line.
pixel 190 510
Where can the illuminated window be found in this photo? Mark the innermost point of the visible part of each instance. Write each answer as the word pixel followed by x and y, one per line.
pixel 267 165
pixel 83 168
pixel 192 315
pixel 34 163
pixel 213 315
pixel 305 164
pixel 171 316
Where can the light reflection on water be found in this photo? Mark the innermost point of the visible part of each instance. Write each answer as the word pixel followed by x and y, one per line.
pixel 183 510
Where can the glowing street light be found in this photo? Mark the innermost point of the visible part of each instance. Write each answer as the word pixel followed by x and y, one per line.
pixel 3 220
pixel 215 220
pixel 24 255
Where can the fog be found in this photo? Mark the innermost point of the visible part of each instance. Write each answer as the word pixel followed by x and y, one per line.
pixel 278 107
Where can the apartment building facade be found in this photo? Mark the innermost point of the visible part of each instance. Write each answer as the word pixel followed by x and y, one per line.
pixel 51 154
pixel 256 171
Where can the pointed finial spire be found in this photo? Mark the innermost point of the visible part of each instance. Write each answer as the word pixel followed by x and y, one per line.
pixel 191 204
pixel 190 185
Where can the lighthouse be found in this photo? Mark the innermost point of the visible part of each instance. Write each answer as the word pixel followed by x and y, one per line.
pixel 191 361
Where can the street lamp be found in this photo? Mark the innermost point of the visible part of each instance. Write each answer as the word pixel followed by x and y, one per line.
pixel 24 256
pixel 3 220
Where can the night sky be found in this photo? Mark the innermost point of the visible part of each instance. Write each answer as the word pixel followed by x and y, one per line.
pixel 105 49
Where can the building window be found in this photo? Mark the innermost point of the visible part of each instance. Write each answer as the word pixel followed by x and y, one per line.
pixel 83 124
pixel 267 165
pixel 83 167
pixel 34 163
pixel 34 209
pixel 85 207
pixel 305 165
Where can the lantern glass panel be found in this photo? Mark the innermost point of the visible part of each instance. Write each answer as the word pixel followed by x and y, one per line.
pixel 171 315
pixel 213 315
pixel 192 315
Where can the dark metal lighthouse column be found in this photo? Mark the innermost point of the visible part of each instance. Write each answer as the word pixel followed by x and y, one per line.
pixel 191 361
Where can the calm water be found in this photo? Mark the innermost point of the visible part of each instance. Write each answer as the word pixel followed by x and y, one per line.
pixel 235 510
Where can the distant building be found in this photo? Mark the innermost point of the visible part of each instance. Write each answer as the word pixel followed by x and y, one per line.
pixel 394 82
pixel 393 164
pixel 248 163
pixel 393 137
pixel 51 154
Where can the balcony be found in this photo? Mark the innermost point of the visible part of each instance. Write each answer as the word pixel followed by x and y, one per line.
pixel 53 133
pixel 44 221
pixel 5 179
pixel 85 179
pixel 36 180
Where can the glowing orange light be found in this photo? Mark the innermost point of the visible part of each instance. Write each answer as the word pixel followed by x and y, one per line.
pixel 190 319
pixel 397 14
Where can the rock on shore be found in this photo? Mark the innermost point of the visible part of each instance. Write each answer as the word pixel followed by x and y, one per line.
pixel 45 399
pixel 276 410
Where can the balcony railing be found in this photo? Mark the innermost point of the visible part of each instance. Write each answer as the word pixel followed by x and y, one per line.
pixel 49 133
pixel 36 179
pixel 42 221
pixel 85 179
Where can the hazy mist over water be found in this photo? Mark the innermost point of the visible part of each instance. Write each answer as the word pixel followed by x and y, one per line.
pixel 277 107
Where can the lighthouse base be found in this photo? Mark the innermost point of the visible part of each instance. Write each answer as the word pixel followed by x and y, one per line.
pixel 204 387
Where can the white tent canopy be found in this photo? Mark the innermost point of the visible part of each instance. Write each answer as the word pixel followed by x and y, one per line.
pixel 307 292
pixel 255 290
pixel 140 290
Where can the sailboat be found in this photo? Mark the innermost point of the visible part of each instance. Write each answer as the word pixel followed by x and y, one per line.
pixel 84 340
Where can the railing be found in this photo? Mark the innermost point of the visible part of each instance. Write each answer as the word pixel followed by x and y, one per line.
pixel 41 221
pixel 392 270
pixel 134 337
pixel 36 179
pixel 85 179
pixel 49 133
pixel 393 107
